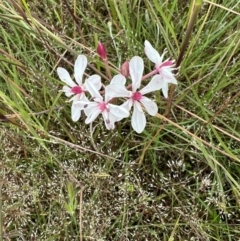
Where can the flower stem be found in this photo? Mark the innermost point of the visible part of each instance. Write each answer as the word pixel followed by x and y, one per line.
pixel 107 69
pixel 192 21
pixel 155 71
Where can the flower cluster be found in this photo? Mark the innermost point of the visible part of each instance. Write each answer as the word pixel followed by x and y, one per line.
pixel 88 96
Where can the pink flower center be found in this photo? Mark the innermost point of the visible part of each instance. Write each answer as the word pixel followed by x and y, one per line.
pixel 76 90
pixel 137 96
pixel 102 106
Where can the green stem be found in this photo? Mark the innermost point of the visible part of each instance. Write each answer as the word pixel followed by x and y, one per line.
pixel 192 21
pixel 107 69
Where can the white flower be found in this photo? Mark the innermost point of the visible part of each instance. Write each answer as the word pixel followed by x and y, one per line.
pixel 136 97
pixel 110 112
pixel 164 68
pixel 79 89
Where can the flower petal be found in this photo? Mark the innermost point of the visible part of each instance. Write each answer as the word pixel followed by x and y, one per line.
pixel 93 90
pixel 150 106
pixel 152 53
pixel 118 79
pixel 109 125
pixel 168 75
pixel 78 106
pixel 79 68
pixel 109 120
pixel 80 99
pixel 75 112
pixel 156 83
pixel 95 80
pixel 92 112
pixel 67 91
pixel 116 90
pixel 165 90
pixel 138 120
pixel 127 104
pixel 118 111
pixel 65 77
pixel 136 71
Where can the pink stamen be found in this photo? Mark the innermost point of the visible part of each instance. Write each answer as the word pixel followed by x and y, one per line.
pixel 137 96
pixel 76 90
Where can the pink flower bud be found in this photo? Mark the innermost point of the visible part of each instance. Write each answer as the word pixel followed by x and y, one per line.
pixel 125 69
pixel 101 50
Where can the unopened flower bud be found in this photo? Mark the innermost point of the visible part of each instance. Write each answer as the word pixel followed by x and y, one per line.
pixel 101 50
pixel 125 69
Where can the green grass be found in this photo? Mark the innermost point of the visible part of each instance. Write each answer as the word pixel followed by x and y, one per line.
pixel 178 180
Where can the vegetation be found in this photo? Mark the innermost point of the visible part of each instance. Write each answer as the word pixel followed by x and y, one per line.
pixel 61 180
